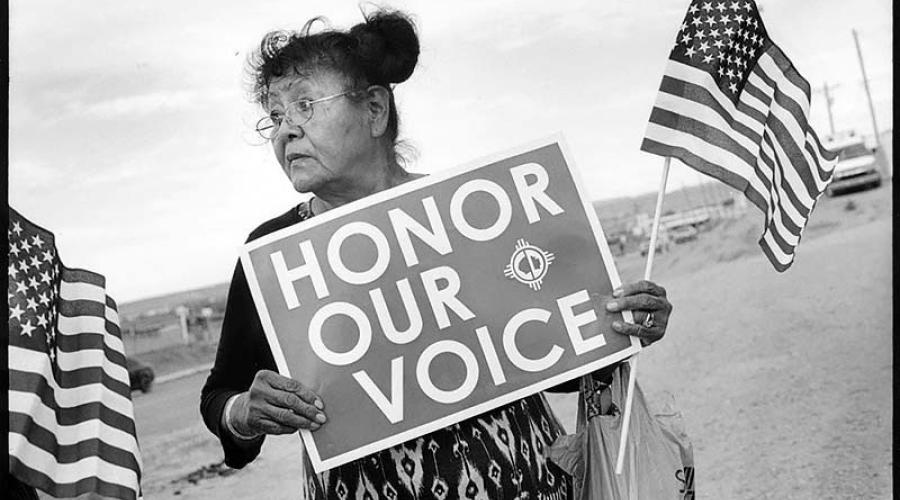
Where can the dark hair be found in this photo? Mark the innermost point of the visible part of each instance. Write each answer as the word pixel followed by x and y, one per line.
pixel 383 50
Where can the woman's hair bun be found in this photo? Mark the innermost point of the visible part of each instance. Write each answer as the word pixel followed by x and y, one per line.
pixel 387 45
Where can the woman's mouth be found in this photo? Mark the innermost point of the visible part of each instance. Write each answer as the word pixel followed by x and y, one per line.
pixel 291 158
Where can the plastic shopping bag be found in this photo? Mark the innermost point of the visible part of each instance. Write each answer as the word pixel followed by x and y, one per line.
pixel 659 459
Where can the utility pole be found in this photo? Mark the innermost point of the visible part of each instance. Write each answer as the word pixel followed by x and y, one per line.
pixel 862 68
pixel 182 313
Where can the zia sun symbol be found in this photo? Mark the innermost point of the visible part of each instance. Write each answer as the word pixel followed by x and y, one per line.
pixel 528 264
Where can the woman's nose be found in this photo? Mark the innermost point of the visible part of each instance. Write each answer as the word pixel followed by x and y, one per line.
pixel 291 131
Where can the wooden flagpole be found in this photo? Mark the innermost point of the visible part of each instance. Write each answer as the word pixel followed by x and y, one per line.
pixel 654 232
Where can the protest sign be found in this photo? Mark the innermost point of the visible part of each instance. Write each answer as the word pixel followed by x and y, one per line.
pixel 435 301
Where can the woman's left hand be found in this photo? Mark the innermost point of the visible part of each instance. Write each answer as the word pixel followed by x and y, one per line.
pixel 650 307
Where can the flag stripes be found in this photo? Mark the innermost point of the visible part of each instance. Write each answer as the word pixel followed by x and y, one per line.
pixel 72 452
pixel 71 419
pixel 733 106
pixel 65 415
pixel 78 428
pixel 68 480
pixel 762 145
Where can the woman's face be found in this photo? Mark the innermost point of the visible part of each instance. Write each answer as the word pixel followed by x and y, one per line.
pixel 330 151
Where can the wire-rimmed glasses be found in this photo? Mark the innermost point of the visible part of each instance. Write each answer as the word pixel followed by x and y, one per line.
pixel 296 113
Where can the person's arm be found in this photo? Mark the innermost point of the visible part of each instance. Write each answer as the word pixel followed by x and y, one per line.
pixel 242 352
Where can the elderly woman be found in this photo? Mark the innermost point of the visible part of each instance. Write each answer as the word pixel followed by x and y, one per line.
pixel 332 123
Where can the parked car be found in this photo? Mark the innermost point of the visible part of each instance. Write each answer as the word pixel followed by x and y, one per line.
pixel 683 234
pixel 856 169
pixel 140 375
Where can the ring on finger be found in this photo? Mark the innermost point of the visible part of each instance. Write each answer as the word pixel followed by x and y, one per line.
pixel 648 321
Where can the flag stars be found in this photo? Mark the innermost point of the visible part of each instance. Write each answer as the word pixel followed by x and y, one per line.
pixel 25 246
pixel 686 39
pixel 684 26
pixel 35 262
pixel 47 255
pixel 45 277
pixel 32 304
pixel 21 288
pixel 17 228
pixel 32 282
pixel 693 9
pixel 707 6
pixel 721 71
pixel 714 33
pixel 718 44
pixel 724 19
pixel 701 35
pixel 16 312
pixel 37 241
pixel 721 6
pixel 23 266
pixel 710 21
pixel 42 321
pixel 704 47
pixel 708 58
pixel 735 6
pixel 27 328
pixel 690 52
pixel 44 299
pixel 732 87
pixel 12 271
pixel 697 21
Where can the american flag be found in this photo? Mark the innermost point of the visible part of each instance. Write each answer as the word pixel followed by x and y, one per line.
pixel 732 106
pixel 71 420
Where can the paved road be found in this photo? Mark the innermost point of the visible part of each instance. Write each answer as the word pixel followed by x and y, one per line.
pixel 171 405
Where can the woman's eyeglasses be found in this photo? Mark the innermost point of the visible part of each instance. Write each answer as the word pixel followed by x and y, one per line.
pixel 296 113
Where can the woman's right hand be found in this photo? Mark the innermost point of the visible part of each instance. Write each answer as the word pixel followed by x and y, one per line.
pixel 276 404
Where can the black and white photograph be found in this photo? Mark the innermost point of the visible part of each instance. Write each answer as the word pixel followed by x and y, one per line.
pixel 418 250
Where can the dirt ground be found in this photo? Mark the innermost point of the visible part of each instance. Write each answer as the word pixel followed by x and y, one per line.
pixel 784 380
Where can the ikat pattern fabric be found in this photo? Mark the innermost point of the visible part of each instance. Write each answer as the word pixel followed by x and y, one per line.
pixel 501 454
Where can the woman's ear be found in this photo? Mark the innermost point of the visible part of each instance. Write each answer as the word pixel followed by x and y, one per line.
pixel 378 106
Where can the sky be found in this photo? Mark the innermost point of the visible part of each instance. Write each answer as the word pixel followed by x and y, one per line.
pixel 131 130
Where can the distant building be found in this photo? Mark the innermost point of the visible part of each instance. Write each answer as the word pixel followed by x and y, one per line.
pixel 643 222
